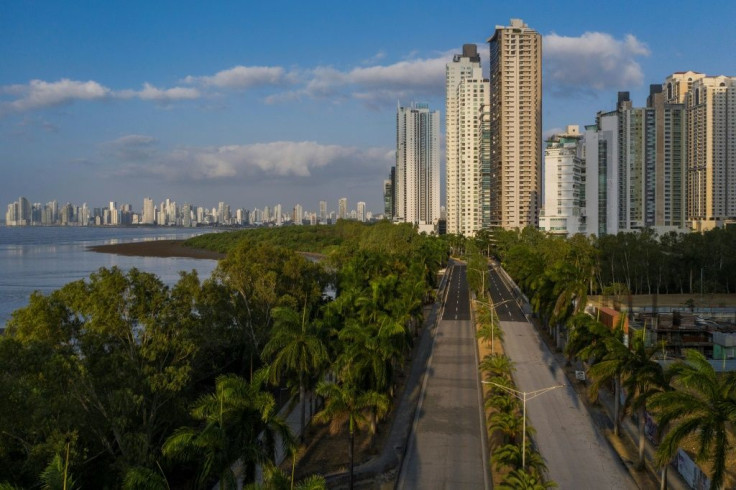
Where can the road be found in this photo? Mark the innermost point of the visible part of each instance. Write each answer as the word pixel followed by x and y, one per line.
pixel 577 454
pixel 447 449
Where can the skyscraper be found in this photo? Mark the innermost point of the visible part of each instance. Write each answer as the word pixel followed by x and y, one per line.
pixel 515 125
pixel 635 167
pixel 417 190
pixel 564 184
pixel 323 211
pixel 149 214
pixel 711 152
pixel 388 195
pixel 342 208
pixel 298 214
pixel 466 91
pixel 360 208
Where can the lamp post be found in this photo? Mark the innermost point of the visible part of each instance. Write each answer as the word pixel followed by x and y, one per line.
pixel 482 278
pixel 492 307
pixel 523 396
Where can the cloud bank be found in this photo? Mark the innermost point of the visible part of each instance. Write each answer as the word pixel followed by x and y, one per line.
pixel 137 156
pixel 592 62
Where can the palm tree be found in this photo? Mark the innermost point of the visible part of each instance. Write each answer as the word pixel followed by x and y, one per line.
pixel 231 421
pixel 509 425
pixel 510 455
pixel 56 476
pixel 585 338
pixel 275 479
pixel 295 349
pixel 643 377
pixel 497 365
pixel 502 402
pixel 346 403
pixel 635 370
pixel 703 405
pixel 489 329
pixel 525 480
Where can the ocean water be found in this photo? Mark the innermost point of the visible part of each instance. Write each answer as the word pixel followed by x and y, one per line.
pixel 47 258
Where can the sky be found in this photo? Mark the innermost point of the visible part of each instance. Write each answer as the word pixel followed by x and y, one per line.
pixel 291 102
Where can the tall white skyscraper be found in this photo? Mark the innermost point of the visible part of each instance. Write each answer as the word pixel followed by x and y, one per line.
pixel 278 215
pixel 466 91
pixel 515 125
pixel 323 211
pixel 149 214
pixel 360 207
pixel 298 214
pixel 564 184
pixel 417 188
pixel 342 208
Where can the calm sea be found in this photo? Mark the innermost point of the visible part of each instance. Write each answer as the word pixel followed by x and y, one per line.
pixel 46 258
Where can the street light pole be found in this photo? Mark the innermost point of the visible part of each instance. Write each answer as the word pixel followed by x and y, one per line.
pixel 482 278
pixel 492 307
pixel 523 396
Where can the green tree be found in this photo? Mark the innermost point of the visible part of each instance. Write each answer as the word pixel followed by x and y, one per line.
pixel 297 351
pixel 703 406
pixel 345 403
pixel 525 480
pixel 56 476
pixel 510 455
pixel 231 421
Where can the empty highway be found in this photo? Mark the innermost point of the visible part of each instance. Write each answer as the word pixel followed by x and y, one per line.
pixel 446 449
pixel 577 454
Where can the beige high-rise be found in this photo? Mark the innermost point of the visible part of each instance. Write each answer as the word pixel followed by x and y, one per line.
pixel 515 125
pixel 711 154
pixel 465 92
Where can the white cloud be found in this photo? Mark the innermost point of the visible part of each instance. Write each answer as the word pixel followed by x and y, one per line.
pixel 38 93
pixel 594 61
pixel 149 92
pixel 277 160
pixel 242 77
pixel 374 85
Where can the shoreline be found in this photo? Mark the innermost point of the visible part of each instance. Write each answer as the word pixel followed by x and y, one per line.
pixel 157 248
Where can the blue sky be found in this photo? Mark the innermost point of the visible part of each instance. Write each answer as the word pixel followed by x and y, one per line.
pixel 259 103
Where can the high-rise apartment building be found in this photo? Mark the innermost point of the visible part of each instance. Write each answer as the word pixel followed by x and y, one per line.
pixel 668 190
pixel 360 211
pixel 417 190
pixel 388 195
pixel 635 167
pixel 342 208
pixel 515 125
pixel 323 211
pixel 563 207
pixel 298 214
pixel 466 91
pixel 711 153
pixel 149 212
pixel 278 215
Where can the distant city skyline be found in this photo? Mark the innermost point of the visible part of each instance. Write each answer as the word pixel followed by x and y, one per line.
pixel 217 102
pixel 169 212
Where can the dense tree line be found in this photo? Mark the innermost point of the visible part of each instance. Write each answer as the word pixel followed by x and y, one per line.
pixel 636 262
pixel 119 381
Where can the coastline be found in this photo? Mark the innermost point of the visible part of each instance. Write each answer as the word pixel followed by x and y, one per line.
pixel 157 248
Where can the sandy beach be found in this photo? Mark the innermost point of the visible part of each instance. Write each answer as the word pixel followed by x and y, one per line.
pixel 157 248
